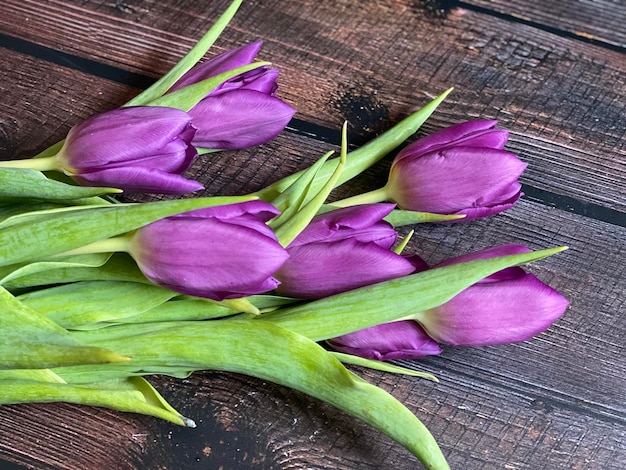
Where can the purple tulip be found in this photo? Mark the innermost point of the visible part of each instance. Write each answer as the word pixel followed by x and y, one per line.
pixel 342 250
pixel 243 111
pixel 220 252
pixel 509 306
pixel 136 149
pixel 459 170
pixel 397 340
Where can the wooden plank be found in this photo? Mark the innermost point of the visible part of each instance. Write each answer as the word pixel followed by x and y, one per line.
pixel 243 171
pixel 520 405
pixel 560 99
pixel 554 402
pixel 499 406
pixel 599 21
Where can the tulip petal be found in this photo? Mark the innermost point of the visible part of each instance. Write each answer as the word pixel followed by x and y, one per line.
pixel 140 180
pixel 495 313
pixel 361 222
pixel 261 79
pixel 239 119
pixel 318 270
pixel 469 134
pixel 222 63
pixel 388 341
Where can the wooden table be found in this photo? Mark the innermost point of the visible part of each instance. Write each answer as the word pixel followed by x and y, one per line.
pixel 553 73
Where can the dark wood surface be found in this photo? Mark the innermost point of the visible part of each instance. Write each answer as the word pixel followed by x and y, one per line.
pixel 553 73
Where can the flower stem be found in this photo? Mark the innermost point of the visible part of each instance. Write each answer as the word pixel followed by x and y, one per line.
pixel 108 245
pixel 40 164
pixel 377 195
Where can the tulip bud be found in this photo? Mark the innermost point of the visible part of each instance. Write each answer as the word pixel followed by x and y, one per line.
pixel 507 307
pixel 220 252
pixel 460 170
pixel 397 340
pixel 342 250
pixel 241 112
pixel 137 149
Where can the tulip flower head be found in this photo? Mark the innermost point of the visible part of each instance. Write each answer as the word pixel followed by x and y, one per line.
pixel 136 149
pixel 342 250
pixel 241 112
pixel 221 252
pixel 397 340
pixel 462 169
pixel 509 306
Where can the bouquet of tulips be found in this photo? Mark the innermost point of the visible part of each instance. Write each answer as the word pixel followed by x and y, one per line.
pixel 280 284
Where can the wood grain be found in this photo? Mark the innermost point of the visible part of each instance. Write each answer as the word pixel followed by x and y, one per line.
pixel 561 99
pixel 599 21
pixel 555 402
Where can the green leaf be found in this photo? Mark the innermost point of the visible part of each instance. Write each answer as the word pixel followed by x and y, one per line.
pixel 292 227
pixel 17 184
pixel 382 366
pixel 186 308
pixel 399 217
pixel 292 199
pixel 391 300
pixel 119 267
pixel 179 309
pixel 32 341
pixel 46 272
pixel 266 351
pixel 191 58
pixel 82 304
pixel 365 156
pixel 37 375
pixel 34 236
pixel 130 395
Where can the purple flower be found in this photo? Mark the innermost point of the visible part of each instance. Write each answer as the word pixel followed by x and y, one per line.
pixel 342 250
pixel 243 111
pixel 509 306
pixel 397 340
pixel 137 149
pixel 459 170
pixel 220 252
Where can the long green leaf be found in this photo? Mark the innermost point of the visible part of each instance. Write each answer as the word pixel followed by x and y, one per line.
pixel 18 184
pixel 292 199
pixel 382 366
pixel 391 300
pixel 61 231
pixel 266 351
pixel 84 303
pixel 116 267
pixel 31 341
pixel 130 395
pixel 16 274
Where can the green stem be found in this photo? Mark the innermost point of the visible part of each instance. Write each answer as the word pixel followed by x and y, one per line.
pixel 377 195
pixel 40 164
pixel 108 245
